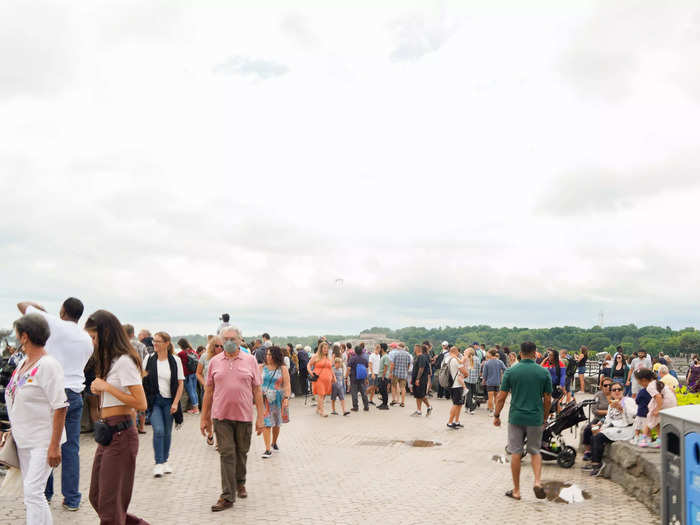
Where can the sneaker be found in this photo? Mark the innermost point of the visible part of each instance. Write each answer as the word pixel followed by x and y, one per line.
pixel 598 471
pixel 429 411
pixel 635 440
pixel 371 402
pixel 158 471
pixel 354 409
pixel 655 444
pixel 586 456
pixel 590 466
pixel 267 454
pixel 416 414
pixel 346 413
pixel 167 469
pixel 458 425
pixel 275 447
pixel 451 425
pixel 69 508
pixel 383 407
pixel 643 442
pixel 366 409
pixel 470 412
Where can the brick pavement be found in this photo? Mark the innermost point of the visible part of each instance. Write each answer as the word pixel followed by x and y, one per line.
pixel 350 470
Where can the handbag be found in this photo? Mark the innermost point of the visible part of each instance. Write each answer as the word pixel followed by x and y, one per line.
pixel 8 451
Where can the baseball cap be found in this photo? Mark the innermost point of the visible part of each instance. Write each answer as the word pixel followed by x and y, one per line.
pixel 475 343
pixel 394 345
pixel 445 343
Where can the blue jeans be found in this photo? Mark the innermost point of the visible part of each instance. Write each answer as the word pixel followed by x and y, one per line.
pixel 191 387
pixel 70 453
pixel 162 423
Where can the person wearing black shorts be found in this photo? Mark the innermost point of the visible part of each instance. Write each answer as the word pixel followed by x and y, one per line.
pixel 421 373
pixel 457 373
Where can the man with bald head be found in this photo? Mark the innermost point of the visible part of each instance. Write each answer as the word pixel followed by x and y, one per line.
pixel 232 386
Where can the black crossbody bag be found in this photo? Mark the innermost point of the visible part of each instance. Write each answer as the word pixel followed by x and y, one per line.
pixel 103 433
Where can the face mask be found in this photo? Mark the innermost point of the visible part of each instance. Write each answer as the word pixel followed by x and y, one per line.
pixel 230 347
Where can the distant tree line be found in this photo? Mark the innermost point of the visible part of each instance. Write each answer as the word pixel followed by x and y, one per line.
pixel 653 339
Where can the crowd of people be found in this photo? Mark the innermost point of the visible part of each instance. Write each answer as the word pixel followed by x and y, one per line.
pixel 237 387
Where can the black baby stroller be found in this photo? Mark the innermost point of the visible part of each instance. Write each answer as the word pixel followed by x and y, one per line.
pixel 553 445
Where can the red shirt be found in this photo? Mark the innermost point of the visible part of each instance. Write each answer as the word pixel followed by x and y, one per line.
pixel 182 354
pixel 233 379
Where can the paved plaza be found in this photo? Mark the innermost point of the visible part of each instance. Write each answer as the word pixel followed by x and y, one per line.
pixel 349 470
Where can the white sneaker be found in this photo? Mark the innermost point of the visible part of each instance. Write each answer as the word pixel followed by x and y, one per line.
pixel 167 469
pixel 635 440
pixel 158 471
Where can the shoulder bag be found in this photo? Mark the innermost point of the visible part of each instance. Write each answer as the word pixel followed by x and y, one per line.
pixel 8 451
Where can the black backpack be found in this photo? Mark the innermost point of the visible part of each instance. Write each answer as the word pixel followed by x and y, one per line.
pixel 571 367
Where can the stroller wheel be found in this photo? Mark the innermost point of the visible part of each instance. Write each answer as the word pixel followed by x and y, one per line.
pixel 566 457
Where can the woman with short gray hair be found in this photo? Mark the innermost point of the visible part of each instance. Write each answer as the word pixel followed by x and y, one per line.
pixel 37 405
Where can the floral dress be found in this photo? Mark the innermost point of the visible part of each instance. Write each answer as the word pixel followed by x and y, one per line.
pixel 273 394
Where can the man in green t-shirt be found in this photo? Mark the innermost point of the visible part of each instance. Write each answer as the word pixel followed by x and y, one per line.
pixel 530 386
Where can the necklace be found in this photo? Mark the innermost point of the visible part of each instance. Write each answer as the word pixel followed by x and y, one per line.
pixel 27 367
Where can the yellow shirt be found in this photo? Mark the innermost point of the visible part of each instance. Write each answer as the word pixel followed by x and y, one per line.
pixel 670 381
pixel 656 368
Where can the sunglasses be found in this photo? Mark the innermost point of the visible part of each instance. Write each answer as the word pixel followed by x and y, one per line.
pixel 617 390
pixel 607 385
pixel 218 346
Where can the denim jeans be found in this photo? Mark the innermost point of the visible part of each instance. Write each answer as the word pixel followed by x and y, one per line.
pixel 70 454
pixel 191 387
pixel 162 423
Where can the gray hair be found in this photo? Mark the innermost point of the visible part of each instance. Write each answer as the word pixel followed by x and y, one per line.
pixel 663 370
pixel 231 329
pixel 35 326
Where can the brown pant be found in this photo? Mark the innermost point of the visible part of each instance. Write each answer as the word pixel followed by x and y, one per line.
pixel 233 440
pixel 113 476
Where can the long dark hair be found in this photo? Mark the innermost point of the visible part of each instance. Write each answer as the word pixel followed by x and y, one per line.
pixel 112 342
pixel 649 375
pixel 555 357
pixel 183 343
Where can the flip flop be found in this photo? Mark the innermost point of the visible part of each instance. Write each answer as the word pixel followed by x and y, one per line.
pixel 509 494
pixel 539 492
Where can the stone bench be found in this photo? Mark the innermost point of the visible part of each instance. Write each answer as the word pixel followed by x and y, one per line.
pixel 637 470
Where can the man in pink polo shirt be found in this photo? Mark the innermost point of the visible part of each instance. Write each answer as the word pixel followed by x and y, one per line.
pixel 233 385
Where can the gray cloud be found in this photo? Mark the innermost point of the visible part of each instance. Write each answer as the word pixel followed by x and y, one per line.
pixel 418 35
pixel 37 49
pixel 623 40
pixel 297 27
pixel 245 66
pixel 602 190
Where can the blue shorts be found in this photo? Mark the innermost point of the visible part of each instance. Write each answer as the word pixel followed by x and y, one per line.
pixel 582 370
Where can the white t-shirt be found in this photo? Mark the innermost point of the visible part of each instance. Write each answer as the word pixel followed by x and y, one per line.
pixel 164 374
pixel 453 363
pixel 287 362
pixel 638 364
pixel 123 374
pixel 374 360
pixel 32 399
pixel 70 345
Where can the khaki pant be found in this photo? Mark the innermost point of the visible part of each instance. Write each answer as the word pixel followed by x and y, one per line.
pixel 233 441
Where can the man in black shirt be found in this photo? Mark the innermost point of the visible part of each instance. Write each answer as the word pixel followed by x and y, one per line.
pixel 421 372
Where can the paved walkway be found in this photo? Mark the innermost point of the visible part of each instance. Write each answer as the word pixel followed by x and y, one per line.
pixel 355 469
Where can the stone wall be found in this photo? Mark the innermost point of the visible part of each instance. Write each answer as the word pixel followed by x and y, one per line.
pixel 637 470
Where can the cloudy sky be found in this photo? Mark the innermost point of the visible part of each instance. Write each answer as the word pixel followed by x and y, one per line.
pixel 452 163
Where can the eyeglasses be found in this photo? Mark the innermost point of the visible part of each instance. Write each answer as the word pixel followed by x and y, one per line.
pixel 617 390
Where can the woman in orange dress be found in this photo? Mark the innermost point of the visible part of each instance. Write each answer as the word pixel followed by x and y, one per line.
pixel 320 364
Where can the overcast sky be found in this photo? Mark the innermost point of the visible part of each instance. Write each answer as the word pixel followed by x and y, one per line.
pixel 454 164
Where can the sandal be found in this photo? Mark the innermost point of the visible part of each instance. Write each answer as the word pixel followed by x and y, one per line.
pixel 210 440
pixel 509 494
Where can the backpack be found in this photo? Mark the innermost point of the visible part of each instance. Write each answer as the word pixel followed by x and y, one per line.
pixel 444 376
pixel 192 362
pixel 360 371
pixel 571 367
